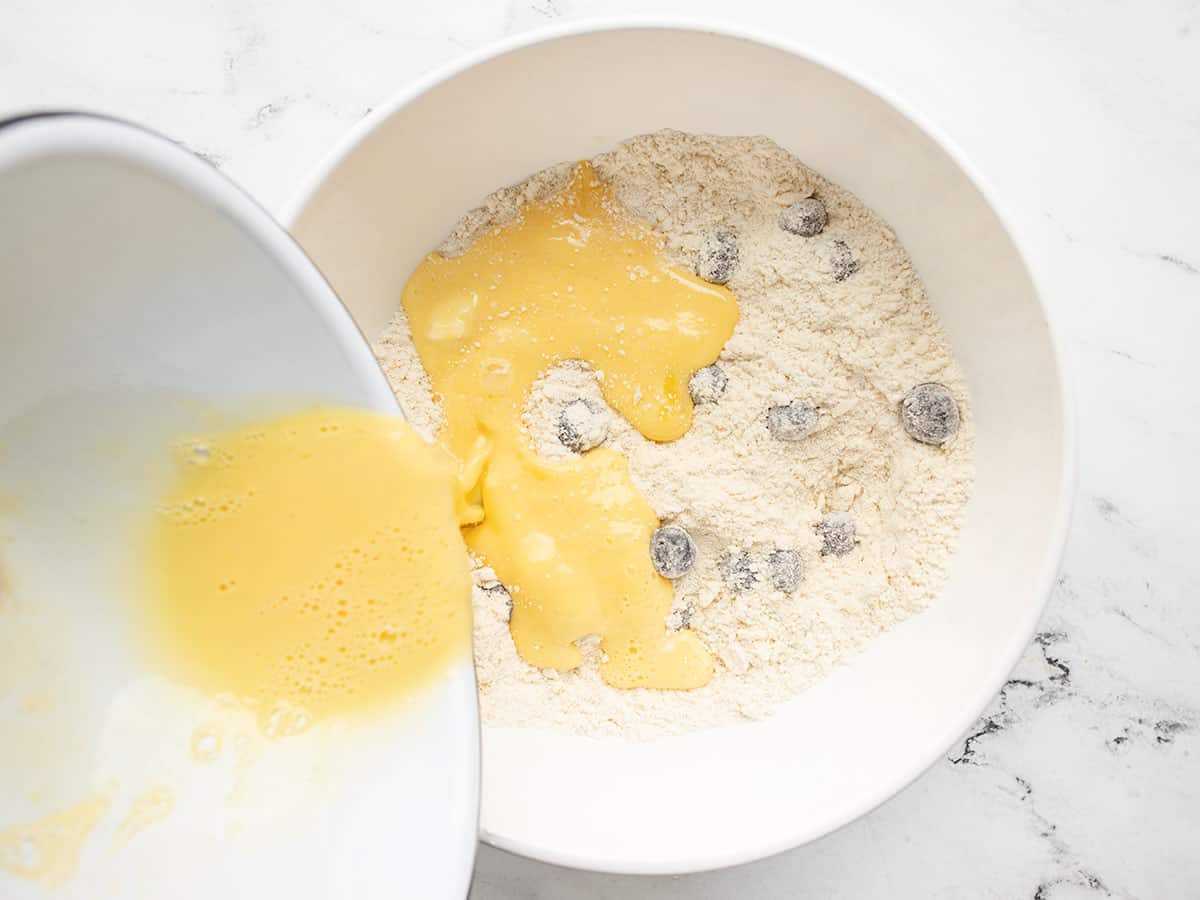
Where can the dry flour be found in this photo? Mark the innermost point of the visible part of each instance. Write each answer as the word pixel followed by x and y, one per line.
pixel 851 347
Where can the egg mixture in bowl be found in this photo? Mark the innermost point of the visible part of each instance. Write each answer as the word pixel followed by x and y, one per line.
pixel 719 437
pixel 761 436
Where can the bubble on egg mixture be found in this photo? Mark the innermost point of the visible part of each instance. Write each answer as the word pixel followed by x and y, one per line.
pixel 357 629
pixel 205 745
pixel 285 720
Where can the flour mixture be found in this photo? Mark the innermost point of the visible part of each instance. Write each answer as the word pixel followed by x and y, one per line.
pixel 817 497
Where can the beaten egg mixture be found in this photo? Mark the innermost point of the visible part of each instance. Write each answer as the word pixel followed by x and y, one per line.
pixel 317 560
pixel 570 279
pixel 312 560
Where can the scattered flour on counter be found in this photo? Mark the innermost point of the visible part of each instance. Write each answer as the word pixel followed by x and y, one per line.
pixel 852 348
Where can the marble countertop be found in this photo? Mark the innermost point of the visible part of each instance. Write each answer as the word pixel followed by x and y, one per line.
pixel 1082 780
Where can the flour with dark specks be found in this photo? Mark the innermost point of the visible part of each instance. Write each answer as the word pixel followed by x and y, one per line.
pixel 836 322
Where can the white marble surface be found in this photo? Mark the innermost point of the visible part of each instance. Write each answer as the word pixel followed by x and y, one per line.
pixel 1083 778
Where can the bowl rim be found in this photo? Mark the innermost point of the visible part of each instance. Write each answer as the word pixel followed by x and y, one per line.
pixel 36 135
pixel 988 689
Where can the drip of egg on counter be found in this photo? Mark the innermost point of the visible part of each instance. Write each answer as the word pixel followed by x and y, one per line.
pixel 312 562
pixel 571 279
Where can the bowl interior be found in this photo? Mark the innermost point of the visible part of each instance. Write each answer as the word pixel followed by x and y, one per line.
pixel 142 298
pixel 734 794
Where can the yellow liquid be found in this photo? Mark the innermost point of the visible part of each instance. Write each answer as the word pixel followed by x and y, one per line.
pixel 313 561
pixel 569 280
pixel 145 811
pixel 49 849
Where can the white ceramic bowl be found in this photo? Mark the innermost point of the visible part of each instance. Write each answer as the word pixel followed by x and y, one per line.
pixel 395 186
pixel 142 297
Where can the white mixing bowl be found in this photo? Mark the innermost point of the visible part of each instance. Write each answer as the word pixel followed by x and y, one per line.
pixel 144 297
pixel 397 184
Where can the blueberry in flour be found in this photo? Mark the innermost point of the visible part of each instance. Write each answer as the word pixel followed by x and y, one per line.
pixel 680 618
pixel 784 570
pixel 930 413
pixel 838 533
pixel 717 257
pixel 792 421
pixel 737 571
pixel 672 551
pixel 582 425
pixel 499 598
pixel 805 217
pixel 842 263
pixel 756 493
pixel 708 385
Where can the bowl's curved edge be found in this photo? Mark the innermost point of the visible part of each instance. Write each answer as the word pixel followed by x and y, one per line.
pixel 175 162
pixel 1067 463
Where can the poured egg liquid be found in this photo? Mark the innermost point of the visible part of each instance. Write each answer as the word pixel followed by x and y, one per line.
pixel 311 562
pixel 571 279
